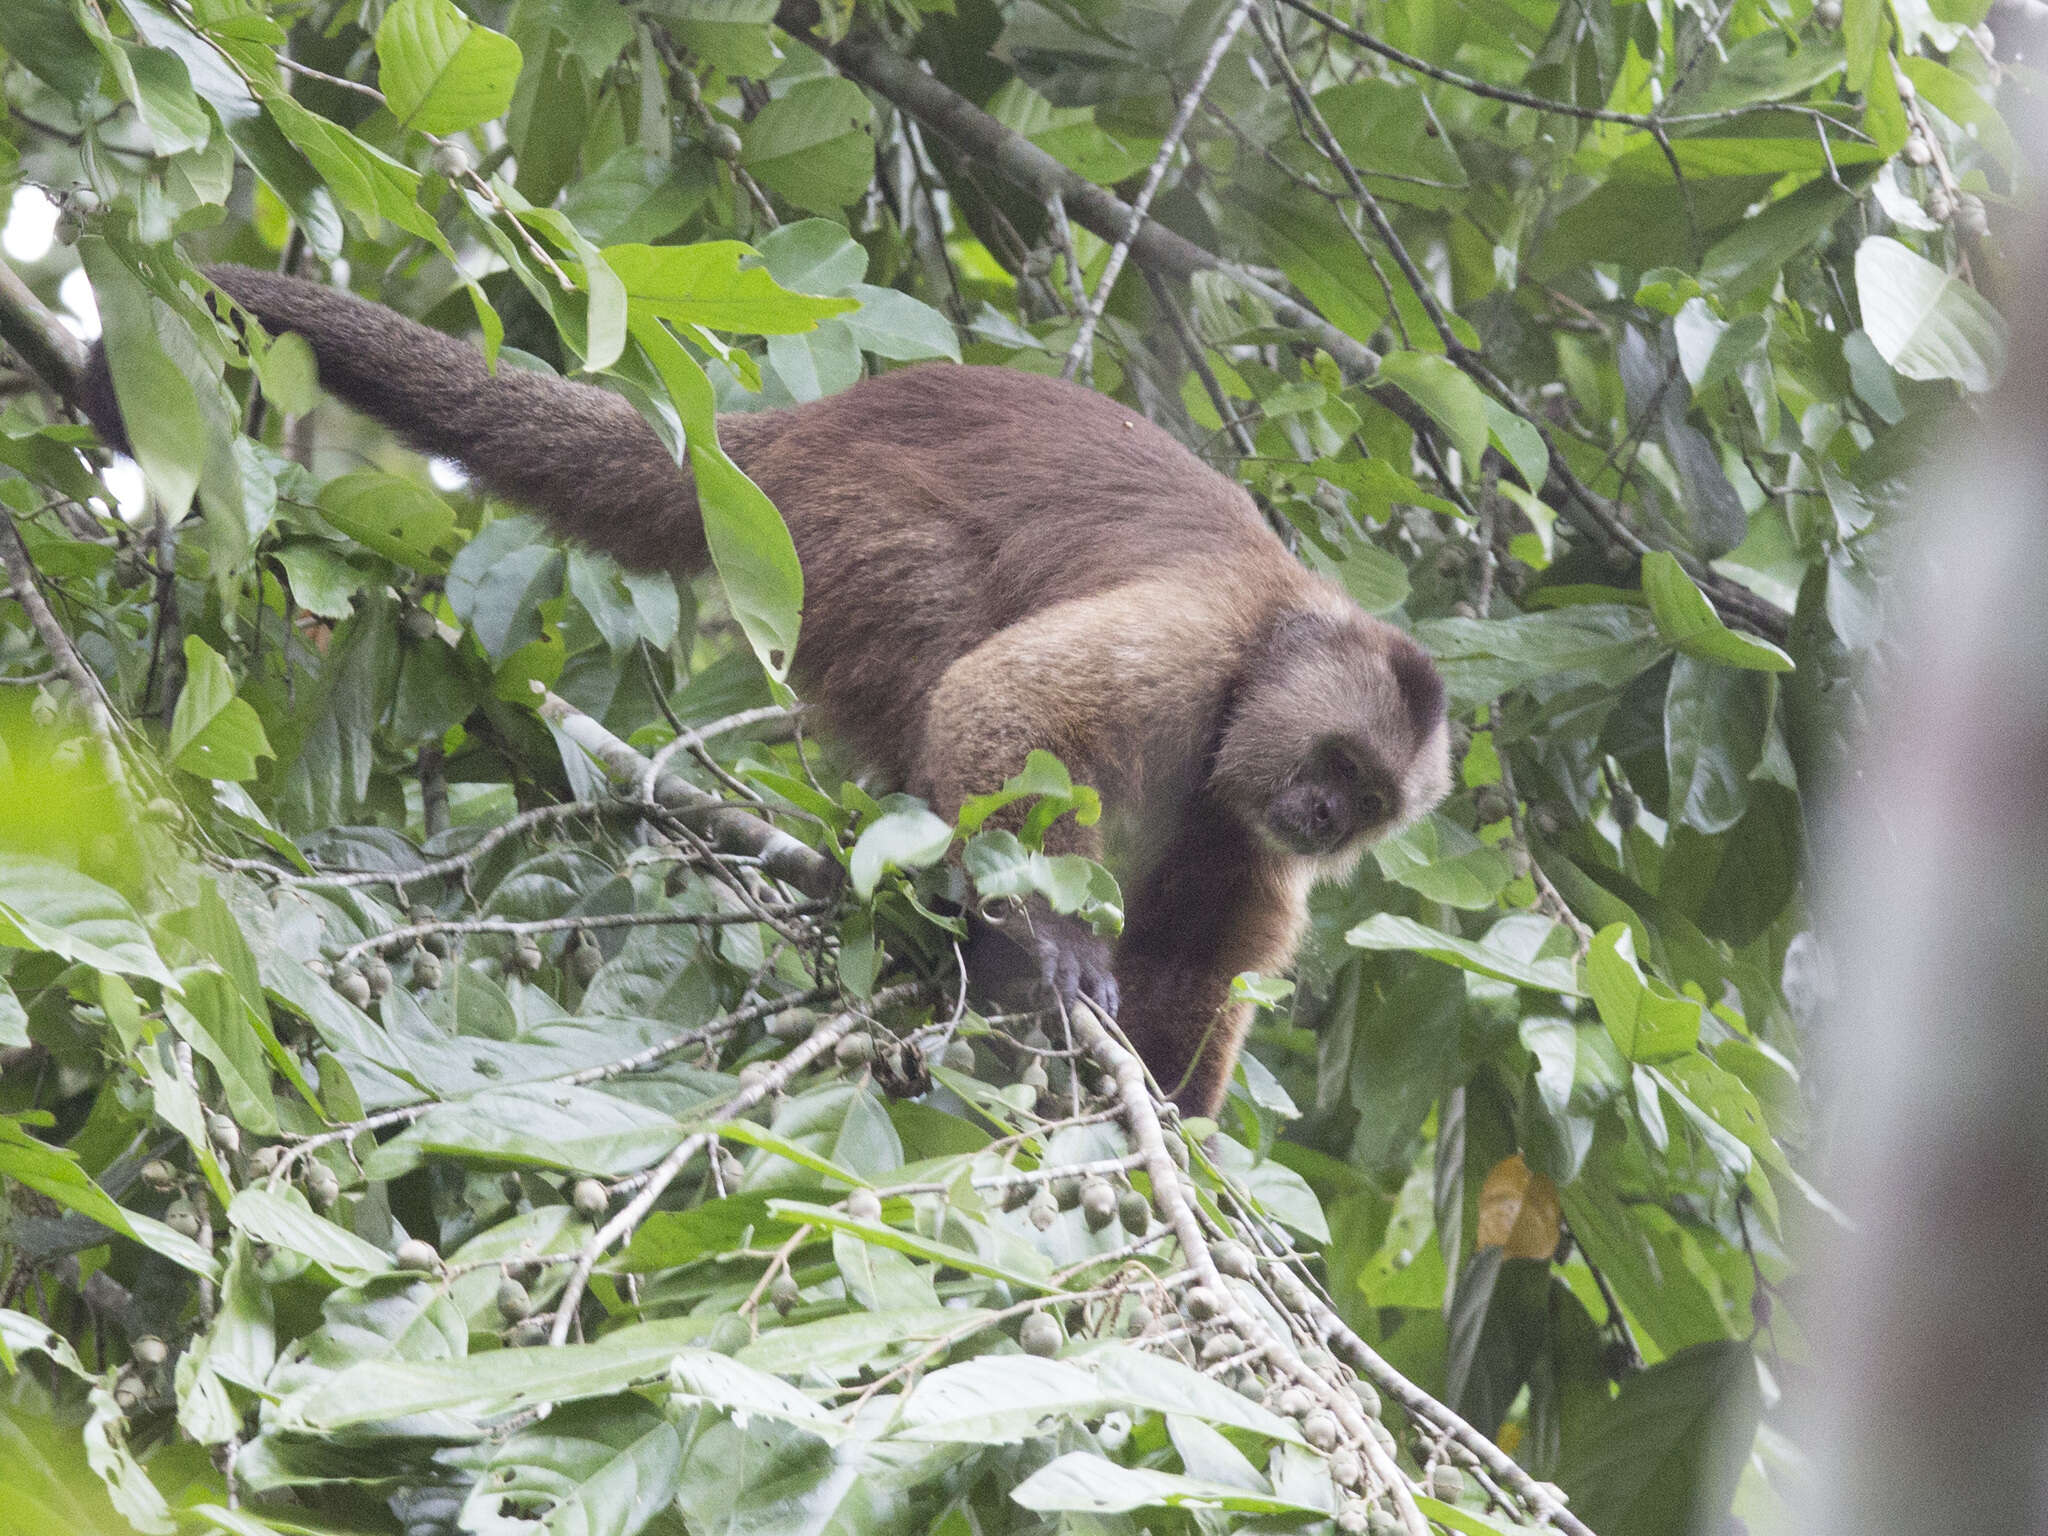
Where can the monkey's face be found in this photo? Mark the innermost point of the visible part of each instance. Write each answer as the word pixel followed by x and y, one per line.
pixel 1336 737
pixel 1338 795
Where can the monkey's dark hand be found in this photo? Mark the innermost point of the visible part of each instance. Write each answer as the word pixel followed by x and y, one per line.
pixel 1036 949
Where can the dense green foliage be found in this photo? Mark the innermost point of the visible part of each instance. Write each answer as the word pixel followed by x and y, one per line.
pixel 1595 343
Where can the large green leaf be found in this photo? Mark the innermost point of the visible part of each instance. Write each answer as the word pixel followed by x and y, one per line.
pixel 1084 1483
pixel 213 733
pixel 750 544
pixel 440 71
pixel 45 905
pixel 1484 658
pixel 1927 323
pixel 1665 1453
pixel 906 836
pixel 159 406
pixel 1647 1020
pixel 490 1383
pixel 1547 974
pixel 715 284
pixel 1688 621
pixel 1441 388
pixel 814 145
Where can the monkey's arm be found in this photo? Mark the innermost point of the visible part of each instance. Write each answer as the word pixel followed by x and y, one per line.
pixel 1212 906
pixel 581 456
pixel 1121 687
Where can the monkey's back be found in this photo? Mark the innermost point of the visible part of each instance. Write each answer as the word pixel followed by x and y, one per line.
pixel 933 506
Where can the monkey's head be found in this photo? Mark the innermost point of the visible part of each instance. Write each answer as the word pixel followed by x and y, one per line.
pixel 1336 736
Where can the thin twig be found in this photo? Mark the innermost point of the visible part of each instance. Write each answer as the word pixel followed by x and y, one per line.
pixel 1063 231
pixel 1326 141
pixel 412 933
pixel 819 1042
pixel 1092 315
pixel 285 61
pixel 454 863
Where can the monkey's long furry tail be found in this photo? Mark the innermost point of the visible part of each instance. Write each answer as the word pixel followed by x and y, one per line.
pixel 581 456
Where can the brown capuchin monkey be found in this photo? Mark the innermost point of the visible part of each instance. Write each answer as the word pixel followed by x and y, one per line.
pixel 995 561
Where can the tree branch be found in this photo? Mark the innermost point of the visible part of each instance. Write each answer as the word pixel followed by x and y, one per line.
pixel 868 58
pixel 92 698
pixel 43 341
pixel 725 827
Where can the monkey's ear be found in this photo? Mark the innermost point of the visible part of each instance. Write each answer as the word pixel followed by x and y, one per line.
pixel 1422 687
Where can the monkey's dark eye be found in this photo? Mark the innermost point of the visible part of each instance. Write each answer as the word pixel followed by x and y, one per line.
pixel 1345 770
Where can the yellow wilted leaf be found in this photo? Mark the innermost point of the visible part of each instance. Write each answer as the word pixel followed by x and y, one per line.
pixel 1518 1211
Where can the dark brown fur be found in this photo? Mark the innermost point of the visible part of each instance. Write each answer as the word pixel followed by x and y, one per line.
pixel 996 561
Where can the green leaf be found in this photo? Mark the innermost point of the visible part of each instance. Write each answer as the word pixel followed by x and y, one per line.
pixel 1442 389
pixel 906 836
pixel 49 906
pixel 498 582
pixel 716 284
pixel 1688 621
pixel 46 39
pixel 1862 31
pixel 170 113
pixel 397 517
pixel 159 406
pixel 538 1125
pixel 605 1467
pixel 733 34
pixel 1484 658
pixel 1045 777
pixel 289 372
pixel 1086 1482
pixel 896 326
pixel 1715 720
pixel 491 1383
pixel 1386 931
pixel 14 1021
pixel 1308 240
pixel 1452 1518
pixel 1647 1020
pixel 1000 865
pixel 213 1018
pixel 440 72
pixel 214 734
pixel 1669 1447
pixel 1444 862
pixel 814 145
pixel 1386 127
pixel 54 1172
pixel 281 1217
pixel 813 256
pixel 1002 1399
pixel 1927 323
pixel 742 1390
pixel 1521 442
pixel 882 1235
pixel 636 195
pixel 365 180
pixel 750 544
pixel 1376 580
